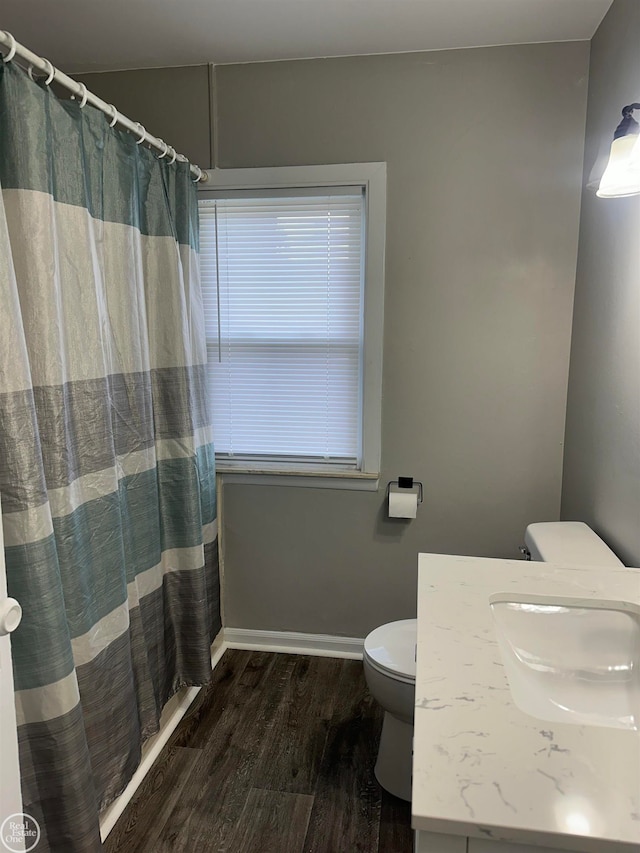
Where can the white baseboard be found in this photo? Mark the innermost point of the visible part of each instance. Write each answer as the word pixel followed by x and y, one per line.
pixel 293 643
pixel 173 712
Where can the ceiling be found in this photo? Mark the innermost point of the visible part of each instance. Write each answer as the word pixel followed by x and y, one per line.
pixel 101 35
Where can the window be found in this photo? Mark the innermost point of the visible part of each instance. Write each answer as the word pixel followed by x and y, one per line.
pixel 292 279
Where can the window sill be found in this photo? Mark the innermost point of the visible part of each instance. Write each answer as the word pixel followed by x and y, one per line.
pixel 277 475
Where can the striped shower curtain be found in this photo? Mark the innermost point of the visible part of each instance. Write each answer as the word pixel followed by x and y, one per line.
pixel 106 462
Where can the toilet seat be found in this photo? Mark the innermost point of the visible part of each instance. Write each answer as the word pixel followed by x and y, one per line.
pixel 391 650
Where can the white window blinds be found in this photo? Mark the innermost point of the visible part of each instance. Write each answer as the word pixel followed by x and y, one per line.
pixel 282 278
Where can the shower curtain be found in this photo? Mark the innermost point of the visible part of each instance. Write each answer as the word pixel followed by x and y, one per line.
pixel 106 461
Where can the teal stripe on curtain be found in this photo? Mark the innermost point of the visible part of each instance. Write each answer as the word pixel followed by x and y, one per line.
pixel 107 470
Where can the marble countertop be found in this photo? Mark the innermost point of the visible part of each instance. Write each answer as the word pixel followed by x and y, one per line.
pixel 484 768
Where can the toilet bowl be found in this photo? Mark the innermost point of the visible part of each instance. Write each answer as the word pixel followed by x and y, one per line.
pixel 390 671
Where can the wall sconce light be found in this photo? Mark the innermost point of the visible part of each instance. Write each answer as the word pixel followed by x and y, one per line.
pixel 622 175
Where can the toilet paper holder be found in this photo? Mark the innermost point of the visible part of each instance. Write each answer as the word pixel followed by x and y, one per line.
pixel 405 483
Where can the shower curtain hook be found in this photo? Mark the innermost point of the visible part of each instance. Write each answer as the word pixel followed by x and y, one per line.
pixel 51 73
pixel 199 176
pixel 174 154
pixel 114 115
pixel 13 46
pixel 143 133
pixel 85 95
pixel 166 149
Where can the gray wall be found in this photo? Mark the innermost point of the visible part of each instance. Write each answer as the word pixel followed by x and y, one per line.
pixel 602 456
pixel 484 151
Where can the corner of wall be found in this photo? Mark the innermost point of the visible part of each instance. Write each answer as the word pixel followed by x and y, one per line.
pixel 213 115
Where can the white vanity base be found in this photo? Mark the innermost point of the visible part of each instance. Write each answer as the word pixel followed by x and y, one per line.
pixel 435 842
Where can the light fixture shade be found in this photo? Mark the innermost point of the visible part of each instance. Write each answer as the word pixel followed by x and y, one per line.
pixel 622 175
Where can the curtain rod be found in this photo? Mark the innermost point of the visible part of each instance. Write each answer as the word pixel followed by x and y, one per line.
pixel 80 92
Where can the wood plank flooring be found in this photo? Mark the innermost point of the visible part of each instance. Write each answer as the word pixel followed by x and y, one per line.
pixel 275 756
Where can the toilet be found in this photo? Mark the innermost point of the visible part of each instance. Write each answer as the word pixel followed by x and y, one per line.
pixel 390 671
pixel 389 657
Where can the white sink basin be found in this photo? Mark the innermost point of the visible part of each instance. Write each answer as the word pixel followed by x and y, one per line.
pixel 571 660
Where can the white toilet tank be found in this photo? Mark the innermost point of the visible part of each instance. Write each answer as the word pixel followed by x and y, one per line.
pixel 569 543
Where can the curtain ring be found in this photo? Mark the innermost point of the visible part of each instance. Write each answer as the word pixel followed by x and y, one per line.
pixel 199 176
pixel 52 72
pixel 114 115
pixel 143 133
pixel 85 95
pixel 174 154
pixel 13 46
pixel 166 150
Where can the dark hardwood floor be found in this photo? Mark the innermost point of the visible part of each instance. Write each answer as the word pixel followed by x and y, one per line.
pixel 275 756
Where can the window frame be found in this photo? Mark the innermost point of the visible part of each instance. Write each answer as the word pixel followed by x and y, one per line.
pixel 372 178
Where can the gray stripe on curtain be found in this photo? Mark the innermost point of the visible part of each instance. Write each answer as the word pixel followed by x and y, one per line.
pixel 81 425
pixel 55 767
